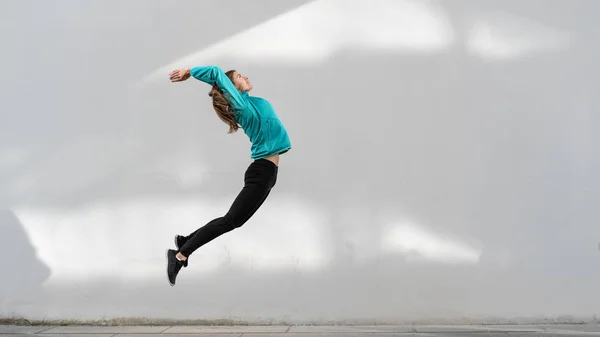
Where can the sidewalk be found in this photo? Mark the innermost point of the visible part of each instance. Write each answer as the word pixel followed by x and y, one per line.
pixel 304 331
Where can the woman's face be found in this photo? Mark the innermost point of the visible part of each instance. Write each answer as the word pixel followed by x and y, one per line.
pixel 241 82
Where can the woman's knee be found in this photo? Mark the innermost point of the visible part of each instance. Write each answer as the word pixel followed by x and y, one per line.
pixel 232 222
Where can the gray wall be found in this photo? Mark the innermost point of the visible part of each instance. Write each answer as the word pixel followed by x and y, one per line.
pixel 444 160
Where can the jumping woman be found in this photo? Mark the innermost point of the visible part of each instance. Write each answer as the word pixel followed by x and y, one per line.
pixel 269 139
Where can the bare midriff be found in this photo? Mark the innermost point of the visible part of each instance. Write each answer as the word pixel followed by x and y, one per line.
pixel 274 159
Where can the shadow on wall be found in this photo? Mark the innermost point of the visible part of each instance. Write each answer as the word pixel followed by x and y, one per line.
pixel 23 273
pixel 384 291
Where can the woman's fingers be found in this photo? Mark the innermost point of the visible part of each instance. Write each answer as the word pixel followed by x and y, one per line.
pixel 177 75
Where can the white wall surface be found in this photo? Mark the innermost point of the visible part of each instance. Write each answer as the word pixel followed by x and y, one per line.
pixel 445 159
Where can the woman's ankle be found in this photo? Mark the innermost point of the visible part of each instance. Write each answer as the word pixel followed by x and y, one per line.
pixel 180 257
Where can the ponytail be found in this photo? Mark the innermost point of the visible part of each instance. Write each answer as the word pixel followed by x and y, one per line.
pixel 222 106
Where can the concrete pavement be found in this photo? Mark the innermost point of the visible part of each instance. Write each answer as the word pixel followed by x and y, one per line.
pixel 304 331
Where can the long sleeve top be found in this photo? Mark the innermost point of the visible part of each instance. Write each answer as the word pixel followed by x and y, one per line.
pixel 255 115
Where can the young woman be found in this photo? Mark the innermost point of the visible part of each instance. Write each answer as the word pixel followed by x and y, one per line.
pixel 269 139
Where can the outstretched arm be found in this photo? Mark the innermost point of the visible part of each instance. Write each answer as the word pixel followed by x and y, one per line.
pixel 211 75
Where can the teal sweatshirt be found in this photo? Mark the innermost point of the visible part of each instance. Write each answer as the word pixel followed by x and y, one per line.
pixel 255 115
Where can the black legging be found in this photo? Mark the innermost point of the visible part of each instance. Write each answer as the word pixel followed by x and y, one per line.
pixel 259 179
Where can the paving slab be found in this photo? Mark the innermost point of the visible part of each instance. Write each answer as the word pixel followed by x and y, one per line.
pixel 569 327
pixel 18 329
pixel 69 335
pixel 183 329
pixel 472 328
pixel 470 334
pixel 554 334
pixel 105 329
pixel 441 328
pixel 350 328
pixel 506 328
pixel 375 334
pixel 209 334
pixel 540 328
pixel 563 328
pixel 312 334
pixel 456 334
pixel 401 329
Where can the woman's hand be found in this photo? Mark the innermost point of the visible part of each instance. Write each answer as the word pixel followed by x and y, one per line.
pixel 179 75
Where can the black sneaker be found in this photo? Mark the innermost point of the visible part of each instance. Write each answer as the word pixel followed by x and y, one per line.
pixel 179 242
pixel 173 265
